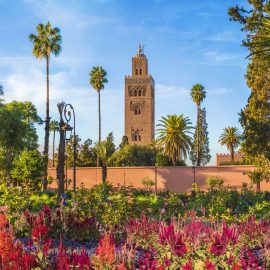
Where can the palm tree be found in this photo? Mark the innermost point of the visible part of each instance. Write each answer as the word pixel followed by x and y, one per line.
pixel 97 80
pixel 54 127
pixel 46 42
pixel 104 151
pixel 198 95
pixel 174 136
pixel 230 137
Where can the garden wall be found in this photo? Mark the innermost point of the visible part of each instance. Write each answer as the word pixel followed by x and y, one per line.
pixel 176 179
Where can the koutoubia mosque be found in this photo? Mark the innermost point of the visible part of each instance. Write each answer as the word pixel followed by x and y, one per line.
pixel 140 102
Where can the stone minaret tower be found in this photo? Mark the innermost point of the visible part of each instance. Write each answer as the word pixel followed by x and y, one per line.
pixel 140 102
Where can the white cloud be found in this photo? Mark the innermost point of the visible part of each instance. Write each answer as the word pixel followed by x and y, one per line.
pixel 217 57
pixel 65 15
pixel 218 91
pixel 223 37
pixel 168 91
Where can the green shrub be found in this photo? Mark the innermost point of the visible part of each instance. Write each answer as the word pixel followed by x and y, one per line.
pixel 214 182
pixel 148 183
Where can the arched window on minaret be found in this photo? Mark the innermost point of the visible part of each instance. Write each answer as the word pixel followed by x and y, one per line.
pixel 139 93
pixel 136 71
pixel 140 71
pixel 144 92
pixel 135 93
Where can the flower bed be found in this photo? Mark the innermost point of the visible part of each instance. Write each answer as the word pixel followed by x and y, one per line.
pixel 187 243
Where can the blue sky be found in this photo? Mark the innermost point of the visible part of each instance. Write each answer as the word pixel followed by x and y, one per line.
pixel 186 42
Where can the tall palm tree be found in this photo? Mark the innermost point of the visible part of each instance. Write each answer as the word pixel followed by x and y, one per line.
pixel 174 136
pixel 230 137
pixel 198 95
pixel 46 42
pixel 97 80
pixel 54 127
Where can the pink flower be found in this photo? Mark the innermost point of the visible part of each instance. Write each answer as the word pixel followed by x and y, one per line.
pixel 209 265
pixel 188 265
pixel 3 208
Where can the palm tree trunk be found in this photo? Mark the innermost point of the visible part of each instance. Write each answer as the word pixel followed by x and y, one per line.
pixel 99 123
pixel 198 136
pixel 232 154
pixel 47 126
pixel 104 174
pixel 99 118
pixel 258 186
pixel 53 145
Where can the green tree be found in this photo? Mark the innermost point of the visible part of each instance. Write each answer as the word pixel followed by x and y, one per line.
pixel 97 80
pixel 54 127
pixel 87 156
pixel 104 150
pixel 46 42
pixel 174 136
pixel 133 155
pixel 204 151
pixel 17 133
pixel 28 168
pixel 28 114
pixel 198 95
pixel 254 118
pixel 70 150
pixel 124 142
pixel 230 137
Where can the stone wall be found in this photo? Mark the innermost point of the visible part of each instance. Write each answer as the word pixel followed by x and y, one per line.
pixel 223 159
pixel 176 179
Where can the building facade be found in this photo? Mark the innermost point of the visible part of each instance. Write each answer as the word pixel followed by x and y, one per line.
pixel 140 102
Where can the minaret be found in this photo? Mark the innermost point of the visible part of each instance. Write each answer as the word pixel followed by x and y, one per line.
pixel 140 102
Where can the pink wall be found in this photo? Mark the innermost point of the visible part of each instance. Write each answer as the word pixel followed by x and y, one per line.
pixel 176 179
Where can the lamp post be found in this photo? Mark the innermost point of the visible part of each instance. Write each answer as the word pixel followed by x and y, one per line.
pixel 69 113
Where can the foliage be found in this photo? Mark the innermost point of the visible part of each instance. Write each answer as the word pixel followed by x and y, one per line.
pixel 104 150
pixel 54 127
pixel 199 143
pixel 27 169
pixel 97 80
pixel 46 42
pixel 198 93
pixel 174 136
pixel 254 118
pixel 148 183
pixel 133 155
pixel 214 182
pixel 231 138
pixel 17 132
pixel 124 142
pixel 204 151
pixel 190 242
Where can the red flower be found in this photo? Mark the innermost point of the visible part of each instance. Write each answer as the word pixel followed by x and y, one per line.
pixel 209 265
pixel 188 265
pixel 168 234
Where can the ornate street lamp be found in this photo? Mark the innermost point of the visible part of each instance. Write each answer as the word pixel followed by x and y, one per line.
pixel 69 113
